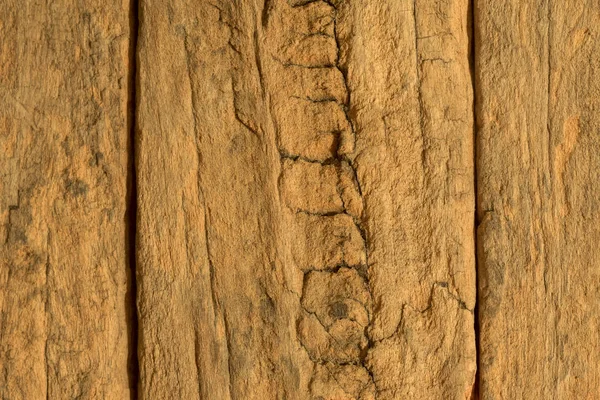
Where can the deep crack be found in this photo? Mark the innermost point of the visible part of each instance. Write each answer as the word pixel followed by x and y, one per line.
pixel 132 198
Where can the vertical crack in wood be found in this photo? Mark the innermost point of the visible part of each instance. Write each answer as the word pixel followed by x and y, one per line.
pixel 472 48
pixel 132 312
pixel 335 290
pixel 548 118
pixel 419 93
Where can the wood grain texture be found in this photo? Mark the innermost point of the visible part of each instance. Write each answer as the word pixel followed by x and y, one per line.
pixel 306 200
pixel 216 316
pixel 538 96
pixel 319 199
pixel 65 306
pixel 411 99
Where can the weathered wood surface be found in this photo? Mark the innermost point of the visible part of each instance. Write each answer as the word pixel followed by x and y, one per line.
pixel 538 163
pixel 66 310
pixel 314 182
pixel 216 313
pixel 306 200
pixel 411 103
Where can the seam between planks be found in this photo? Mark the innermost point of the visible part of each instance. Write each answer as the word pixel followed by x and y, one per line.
pixel 475 394
pixel 132 198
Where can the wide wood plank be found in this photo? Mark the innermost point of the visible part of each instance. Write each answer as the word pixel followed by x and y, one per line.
pixel 306 200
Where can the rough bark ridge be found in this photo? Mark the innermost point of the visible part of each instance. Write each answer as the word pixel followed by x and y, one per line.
pixel 321 195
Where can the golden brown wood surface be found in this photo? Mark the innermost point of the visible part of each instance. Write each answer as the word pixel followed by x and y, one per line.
pixel 538 159
pixel 67 317
pixel 305 174
pixel 299 199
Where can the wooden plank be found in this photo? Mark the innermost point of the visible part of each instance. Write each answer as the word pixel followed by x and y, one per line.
pixel 538 96
pixel 306 200
pixel 65 301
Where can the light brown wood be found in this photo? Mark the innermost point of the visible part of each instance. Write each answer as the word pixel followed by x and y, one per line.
pixel 538 91
pixel 306 200
pixel 299 199
pixel 216 316
pixel 66 309
pixel 411 102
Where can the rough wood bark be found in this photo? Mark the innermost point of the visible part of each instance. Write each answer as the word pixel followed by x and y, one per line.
pixel 538 85
pixel 306 200
pixel 65 306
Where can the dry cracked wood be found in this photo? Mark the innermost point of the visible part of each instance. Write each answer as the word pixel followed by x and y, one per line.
pixel 538 85
pixel 306 196
pixel 411 99
pixel 66 311
pixel 216 312
pixel 306 200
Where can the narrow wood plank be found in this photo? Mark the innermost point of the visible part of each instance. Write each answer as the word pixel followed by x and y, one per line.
pixel 65 306
pixel 538 97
